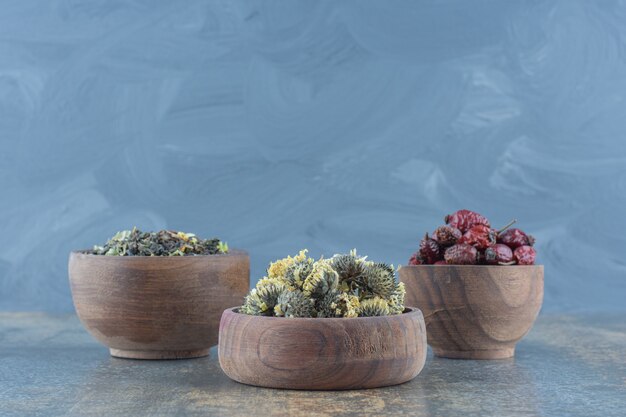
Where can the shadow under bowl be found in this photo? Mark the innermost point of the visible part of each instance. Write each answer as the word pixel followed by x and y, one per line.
pixel 475 311
pixel 322 353
pixel 144 307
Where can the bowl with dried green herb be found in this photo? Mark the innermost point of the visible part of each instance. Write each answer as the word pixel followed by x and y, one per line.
pixel 157 295
pixel 331 324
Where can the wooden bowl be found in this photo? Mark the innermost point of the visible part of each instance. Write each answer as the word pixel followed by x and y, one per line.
pixel 475 311
pixel 145 307
pixel 322 353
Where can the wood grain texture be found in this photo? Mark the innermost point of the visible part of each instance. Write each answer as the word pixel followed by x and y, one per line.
pixel 322 354
pixel 475 312
pixel 157 307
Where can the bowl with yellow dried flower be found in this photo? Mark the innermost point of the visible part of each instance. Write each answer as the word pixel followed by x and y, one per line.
pixel 330 324
pixel 157 295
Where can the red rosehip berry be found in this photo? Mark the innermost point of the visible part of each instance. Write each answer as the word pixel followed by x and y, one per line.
pixel 480 236
pixel 447 235
pixel 416 259
pixel 498 254
pixel 525 255
pixel 465 219
pixel 429 250
pixel 461 254
pixel 514 238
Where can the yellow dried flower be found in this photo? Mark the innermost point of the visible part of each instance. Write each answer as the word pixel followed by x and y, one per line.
pixel 301 256
pixel 348 305
pixel 278 269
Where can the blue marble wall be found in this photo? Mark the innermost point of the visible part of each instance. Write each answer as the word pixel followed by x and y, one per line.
pixel 278 125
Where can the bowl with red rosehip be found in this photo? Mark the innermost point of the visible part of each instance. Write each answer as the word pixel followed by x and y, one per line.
pixel 478 287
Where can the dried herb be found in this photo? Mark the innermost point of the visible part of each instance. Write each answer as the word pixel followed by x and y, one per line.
pixel 343 286
pixel 162 243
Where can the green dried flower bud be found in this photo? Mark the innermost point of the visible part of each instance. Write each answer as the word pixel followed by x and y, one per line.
pixel 378 279
pixel 293 303
pixel 396 301
pixel 298 272
pixel 262 299
pixel 373 307
pixel 337 304
pixel 327 305
pixel 349 267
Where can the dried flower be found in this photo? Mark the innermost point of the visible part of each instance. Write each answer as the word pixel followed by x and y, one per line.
pixel 293 303
pixel 262 299
pixel 374 307
pixel 378 279
pixel 343 286
pixel 162 243
pixel 337 304
pixel 396 301
pixel 322 279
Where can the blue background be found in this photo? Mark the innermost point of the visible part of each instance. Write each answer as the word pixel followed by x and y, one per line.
pixel 279 125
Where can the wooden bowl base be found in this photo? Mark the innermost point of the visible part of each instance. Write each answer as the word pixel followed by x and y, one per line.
pixel 476 354
pixel 159 354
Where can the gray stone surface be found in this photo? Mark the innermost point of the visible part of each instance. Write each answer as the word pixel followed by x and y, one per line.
pixel 566 366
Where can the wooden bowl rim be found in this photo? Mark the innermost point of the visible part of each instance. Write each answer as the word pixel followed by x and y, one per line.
pixel 82 254
pixel 490 267
pixel 408 311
